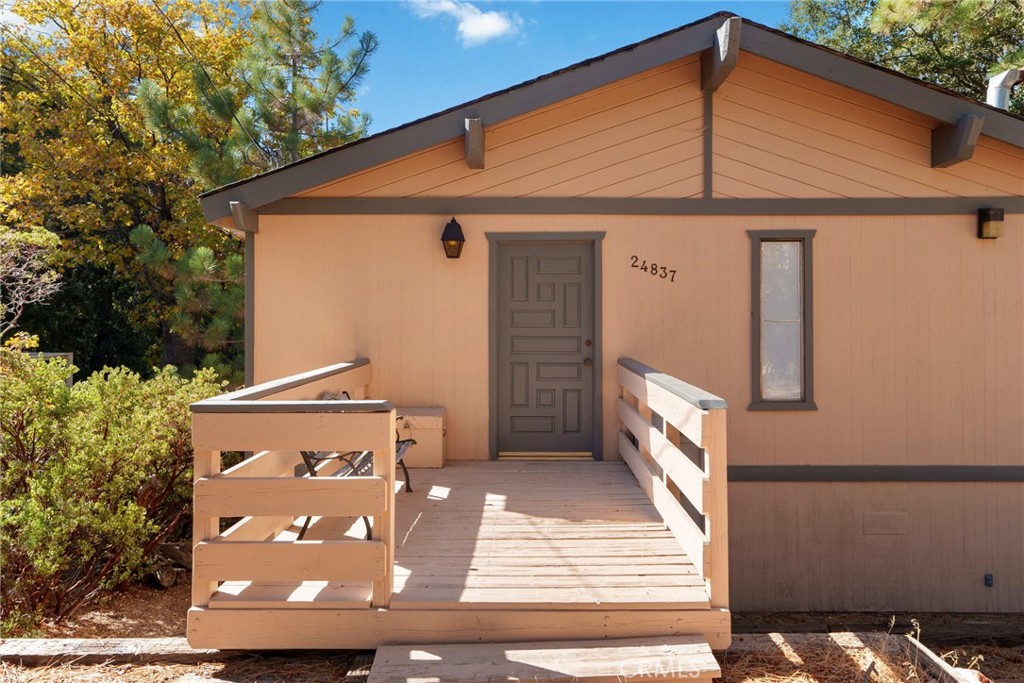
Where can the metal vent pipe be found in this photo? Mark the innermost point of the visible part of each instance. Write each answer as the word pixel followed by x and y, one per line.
pixel 1000 87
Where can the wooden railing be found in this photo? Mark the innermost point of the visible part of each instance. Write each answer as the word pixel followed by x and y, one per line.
pixel 276 420
pixel 672 435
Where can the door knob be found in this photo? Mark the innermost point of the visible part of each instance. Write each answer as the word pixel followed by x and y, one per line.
pixel 586 362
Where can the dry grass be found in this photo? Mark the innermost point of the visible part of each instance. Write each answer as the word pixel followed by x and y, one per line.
pixel 1004 664
pixel 762 658
pixel 818 658
pixel 347 667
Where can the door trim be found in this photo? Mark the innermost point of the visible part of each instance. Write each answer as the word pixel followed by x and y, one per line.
pixel 496 239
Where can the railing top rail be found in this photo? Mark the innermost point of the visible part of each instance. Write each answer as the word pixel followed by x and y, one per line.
pixel 695 396
pixel 276 386
pixel 214 406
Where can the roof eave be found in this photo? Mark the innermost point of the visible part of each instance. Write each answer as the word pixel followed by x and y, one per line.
pixel 757 39
pixel 438 128
pixel 885 84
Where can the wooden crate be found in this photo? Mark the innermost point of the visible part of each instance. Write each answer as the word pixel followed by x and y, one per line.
pixel 427 427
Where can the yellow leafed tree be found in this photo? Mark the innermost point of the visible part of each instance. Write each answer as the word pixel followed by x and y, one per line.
pixel 79 158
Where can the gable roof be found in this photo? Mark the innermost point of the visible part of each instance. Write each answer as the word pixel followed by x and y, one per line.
pixel 885 84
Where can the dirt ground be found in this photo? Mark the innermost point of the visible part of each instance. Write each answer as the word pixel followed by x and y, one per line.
pixel 773 658
pixel 991 643
pixel 137 612
pixel 994 644
pixel 938 629
pixel 339 667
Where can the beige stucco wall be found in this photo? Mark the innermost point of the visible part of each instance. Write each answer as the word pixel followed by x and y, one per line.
pixel 824 547
pixel 919 333
pixel 918 325
pixel 919 359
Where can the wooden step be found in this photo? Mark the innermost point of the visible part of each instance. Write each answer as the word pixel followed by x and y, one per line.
pixel 680 658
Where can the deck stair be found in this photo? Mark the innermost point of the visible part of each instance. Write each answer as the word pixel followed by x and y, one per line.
pixel 683 658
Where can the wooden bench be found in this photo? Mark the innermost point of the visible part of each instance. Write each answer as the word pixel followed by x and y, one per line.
pixel 356 463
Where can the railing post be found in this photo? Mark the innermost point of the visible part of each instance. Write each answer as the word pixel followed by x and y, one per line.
pixel 716 507
pixel 384 525
pixel 204 528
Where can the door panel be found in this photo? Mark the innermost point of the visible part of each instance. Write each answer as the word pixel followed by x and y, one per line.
pixel 545 332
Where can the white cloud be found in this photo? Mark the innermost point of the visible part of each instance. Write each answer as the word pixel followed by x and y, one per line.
pixel 476 26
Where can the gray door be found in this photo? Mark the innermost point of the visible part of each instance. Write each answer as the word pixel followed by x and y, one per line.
pixel 545 334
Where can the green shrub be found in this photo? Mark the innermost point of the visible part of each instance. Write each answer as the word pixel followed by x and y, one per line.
pixel 93 478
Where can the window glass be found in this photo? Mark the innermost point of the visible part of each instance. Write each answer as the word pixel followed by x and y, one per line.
pixel 782 321
pixel 780 281
pixel 781 373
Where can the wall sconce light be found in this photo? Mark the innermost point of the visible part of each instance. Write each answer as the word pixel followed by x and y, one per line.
pixel 452 239
pixel 990 223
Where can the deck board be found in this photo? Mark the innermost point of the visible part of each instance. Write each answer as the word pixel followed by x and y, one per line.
pixel 525 534
pixel 511 535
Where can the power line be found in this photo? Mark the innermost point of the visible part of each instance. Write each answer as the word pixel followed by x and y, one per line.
pixel 102 115
pixel 206 73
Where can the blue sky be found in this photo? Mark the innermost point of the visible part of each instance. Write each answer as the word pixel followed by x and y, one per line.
pixel 438 53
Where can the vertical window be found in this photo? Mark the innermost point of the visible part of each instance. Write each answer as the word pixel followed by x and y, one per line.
pixel 782 368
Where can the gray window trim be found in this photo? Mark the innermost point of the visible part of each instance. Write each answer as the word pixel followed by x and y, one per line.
pixel 496 239
pixel 805 237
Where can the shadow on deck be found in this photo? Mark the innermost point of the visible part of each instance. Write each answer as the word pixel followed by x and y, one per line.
pixel 523 535
pixel 482 551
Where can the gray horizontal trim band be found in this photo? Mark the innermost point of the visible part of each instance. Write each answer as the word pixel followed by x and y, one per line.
pixel 889 206
pixel 278 385
pixel 695 396
pixel 292 407
pixel 876 81
pixel 876 473
pixel 568 235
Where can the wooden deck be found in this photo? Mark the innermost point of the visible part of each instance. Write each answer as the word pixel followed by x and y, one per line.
pixel 560 535
pixel 572 541
pixel 500 535
pixel 479 551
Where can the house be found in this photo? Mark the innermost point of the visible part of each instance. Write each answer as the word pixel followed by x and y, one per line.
pixel 721 228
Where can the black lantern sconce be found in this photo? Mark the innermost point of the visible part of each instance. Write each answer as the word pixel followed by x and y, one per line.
pixel 990 224
pixel 452 239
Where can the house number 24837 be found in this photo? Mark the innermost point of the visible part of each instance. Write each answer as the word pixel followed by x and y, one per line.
pixel 653 269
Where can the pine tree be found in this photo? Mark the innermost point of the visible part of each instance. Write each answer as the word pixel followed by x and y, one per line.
pixel 287 98
pixel 209 297
pixel 957 44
